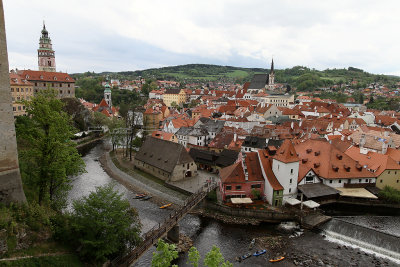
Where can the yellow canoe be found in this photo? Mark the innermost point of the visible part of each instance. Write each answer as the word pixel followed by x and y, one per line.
pixel 166 206
pixel 277 259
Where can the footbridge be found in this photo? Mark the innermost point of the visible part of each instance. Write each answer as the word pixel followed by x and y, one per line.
pixel 169 225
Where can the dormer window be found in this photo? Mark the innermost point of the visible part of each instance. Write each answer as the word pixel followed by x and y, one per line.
pixel 55 78
pixel 41 76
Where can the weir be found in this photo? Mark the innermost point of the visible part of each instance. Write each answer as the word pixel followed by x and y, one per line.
pixel 364 237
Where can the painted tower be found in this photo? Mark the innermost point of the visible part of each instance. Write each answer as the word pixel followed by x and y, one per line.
pixel 10 178
pixel 107 94
pixel 46 57
pixel 271 76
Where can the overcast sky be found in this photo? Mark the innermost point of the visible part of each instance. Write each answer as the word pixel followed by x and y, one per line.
pixel 119 35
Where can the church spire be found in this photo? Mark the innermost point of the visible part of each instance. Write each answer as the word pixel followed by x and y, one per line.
pixel 272 66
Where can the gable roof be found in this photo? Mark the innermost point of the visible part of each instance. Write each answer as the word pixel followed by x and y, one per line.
pixel 162 154
pixel 45 76
pixel 267 167
pixel 259 81
pixel 327 161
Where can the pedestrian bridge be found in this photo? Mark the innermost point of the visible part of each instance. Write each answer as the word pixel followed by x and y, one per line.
pixel 151 237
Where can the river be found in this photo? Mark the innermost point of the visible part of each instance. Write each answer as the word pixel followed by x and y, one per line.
pixel 233 240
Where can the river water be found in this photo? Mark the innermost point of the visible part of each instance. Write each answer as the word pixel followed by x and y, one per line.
pixel 233 240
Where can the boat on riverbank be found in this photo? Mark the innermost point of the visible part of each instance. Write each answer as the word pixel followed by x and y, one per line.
pixel 139 196
pixel 165 206
pixel 260 252
pixel 281 258
pixel 146 198
pixel 252 243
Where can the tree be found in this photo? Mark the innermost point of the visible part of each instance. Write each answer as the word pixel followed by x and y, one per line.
pixel 164 254
pixel 104 224
pixel 194 256
pixel 214 258
pixel 48 151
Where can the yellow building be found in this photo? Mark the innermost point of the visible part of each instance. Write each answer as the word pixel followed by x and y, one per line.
pixel 174 95
pixel 21 89
pixel 389 178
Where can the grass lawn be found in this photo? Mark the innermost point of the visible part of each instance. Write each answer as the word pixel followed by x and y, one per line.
pixel 69 260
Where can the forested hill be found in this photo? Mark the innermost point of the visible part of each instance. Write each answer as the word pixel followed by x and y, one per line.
pixel 298 76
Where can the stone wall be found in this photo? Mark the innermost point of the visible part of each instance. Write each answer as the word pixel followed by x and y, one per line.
pixel 10 178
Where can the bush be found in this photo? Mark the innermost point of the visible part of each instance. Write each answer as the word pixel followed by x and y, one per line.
pixel 390 194
pixel 104 225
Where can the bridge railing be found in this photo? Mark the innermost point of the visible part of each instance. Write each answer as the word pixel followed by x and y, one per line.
pixel 152 236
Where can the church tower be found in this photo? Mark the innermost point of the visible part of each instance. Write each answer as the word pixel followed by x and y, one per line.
pixel 46 57
pixel 107 94
pixel 271 76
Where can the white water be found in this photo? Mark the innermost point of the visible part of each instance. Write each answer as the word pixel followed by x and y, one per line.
pixel 363 246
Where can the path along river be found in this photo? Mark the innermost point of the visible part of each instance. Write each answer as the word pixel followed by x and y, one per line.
pixel 233 240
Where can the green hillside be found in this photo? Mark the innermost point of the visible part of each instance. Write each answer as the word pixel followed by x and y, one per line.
pixel 301 77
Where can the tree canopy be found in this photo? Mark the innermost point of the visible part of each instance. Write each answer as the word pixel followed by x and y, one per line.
pixel 104 224
pixel 47 153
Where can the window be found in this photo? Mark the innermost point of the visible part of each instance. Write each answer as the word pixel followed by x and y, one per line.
pixel 388 172
pixel 17 89
pixel 359 180
pixel 340 181
pixel 309 179
pixel 238 187
pixel 330 181
pixel 228 187
pixel 397 181
pixel 290 190
pixel 256 186
pixel 14 108
pixel 291 172
pixel 290 181
pixel 381 181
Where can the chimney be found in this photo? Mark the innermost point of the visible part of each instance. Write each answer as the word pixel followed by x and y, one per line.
pixel 342 138
pixel 234 137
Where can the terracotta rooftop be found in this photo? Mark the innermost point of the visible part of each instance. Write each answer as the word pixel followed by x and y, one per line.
pixel 286 153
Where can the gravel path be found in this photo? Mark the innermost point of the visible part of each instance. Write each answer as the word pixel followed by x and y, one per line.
pixel 140 182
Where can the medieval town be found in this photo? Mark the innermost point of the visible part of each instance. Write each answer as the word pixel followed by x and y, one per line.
pixel 194 166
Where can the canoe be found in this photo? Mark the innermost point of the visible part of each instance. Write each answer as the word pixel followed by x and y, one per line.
pixel 166 206
pixel 146 198
pixel 245 256
pixel 277 259
pixel 260 252
pixel 252 243
pixel 140 196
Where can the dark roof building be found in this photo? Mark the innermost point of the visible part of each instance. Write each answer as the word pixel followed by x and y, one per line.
pixel 165 160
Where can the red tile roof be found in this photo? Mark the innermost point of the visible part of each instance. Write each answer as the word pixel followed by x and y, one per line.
pixel 266 165
pixel 15 79
pixel 46 76
pixel 286 153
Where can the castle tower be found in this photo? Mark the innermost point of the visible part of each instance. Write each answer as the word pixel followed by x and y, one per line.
pixel 10 178
pixel 271 76
pixel 107 94
pixel 46 57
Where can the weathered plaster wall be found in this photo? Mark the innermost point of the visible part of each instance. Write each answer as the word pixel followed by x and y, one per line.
pixel 10 178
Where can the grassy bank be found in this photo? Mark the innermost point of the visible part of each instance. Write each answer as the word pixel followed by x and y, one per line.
pixel 69 260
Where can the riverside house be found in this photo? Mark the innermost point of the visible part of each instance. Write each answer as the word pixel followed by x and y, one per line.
pixel 166 160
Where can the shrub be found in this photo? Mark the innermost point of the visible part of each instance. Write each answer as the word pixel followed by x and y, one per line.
pixel 390 194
